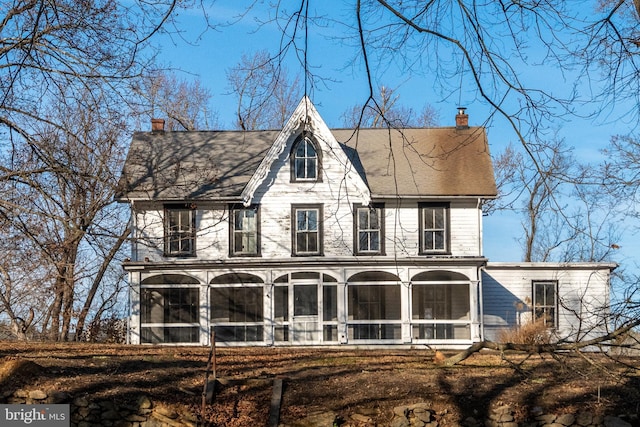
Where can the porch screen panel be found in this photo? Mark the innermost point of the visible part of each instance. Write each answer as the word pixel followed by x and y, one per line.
pixel 237 313
pixel 281 313
pixel 373 312
pixel 329 313
pixel 169 315
pixel 435 304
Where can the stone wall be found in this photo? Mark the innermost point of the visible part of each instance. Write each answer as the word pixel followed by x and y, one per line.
pixel 143 412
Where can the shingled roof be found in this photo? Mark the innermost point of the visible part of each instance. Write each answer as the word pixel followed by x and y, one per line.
pixel 216 165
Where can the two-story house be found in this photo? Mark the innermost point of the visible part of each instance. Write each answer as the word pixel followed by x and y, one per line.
pixel 310 236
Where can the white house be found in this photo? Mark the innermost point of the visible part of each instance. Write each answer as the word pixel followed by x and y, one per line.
pixel 314 236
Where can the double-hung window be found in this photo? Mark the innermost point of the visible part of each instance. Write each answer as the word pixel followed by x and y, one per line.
pixel 305 163
pixel 306 230
pixel 545 301
pixel 369 229
pixel 245 229
pixel 434 228
pixel 180 234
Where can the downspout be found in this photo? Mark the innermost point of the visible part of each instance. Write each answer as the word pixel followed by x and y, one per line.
pixel 481 302
pixel 480 231
pixel 133 233
pixel 481 269
pixel 134 256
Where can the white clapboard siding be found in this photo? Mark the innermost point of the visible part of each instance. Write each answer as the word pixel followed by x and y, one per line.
pixel 583 295
pixel 212 222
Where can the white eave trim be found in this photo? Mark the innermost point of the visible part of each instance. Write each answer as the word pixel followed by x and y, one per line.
pixel 552 265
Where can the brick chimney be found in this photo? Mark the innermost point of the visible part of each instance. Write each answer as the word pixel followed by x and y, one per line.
pixel 462 119
pixel 157 125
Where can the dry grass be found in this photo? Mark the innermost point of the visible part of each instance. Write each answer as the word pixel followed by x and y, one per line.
pixel 343 380
pixel 535 332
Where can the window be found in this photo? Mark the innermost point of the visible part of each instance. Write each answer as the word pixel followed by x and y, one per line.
pixel 369 229
pixel 245 231
pixel 434 228
pixel 307 230
pixel 545 302
pixel 305 164
pixel 180 236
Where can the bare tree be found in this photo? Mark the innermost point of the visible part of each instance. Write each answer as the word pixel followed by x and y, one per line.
pixel 51 46
pixel 63 184
pixel 385 111
pixel 566 216
pixel 266 94
pixel 184 104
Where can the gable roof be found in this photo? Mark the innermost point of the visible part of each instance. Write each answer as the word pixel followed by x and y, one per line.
pixel 218 165
pixel 435 162
pixel 305 118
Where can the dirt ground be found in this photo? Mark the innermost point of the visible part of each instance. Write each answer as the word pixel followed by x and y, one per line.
pixel 336 379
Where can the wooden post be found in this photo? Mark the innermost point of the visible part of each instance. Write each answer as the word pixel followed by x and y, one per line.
pixel 276 399
pixel 208 390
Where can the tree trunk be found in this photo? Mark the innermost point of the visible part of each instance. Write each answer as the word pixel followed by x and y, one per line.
pixel 96 283
pixel 56 308
pixel 541 348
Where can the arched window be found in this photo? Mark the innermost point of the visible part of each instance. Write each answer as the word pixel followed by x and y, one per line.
pixel 305 161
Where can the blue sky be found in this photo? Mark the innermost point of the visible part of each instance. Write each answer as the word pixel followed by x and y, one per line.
pixel 207 54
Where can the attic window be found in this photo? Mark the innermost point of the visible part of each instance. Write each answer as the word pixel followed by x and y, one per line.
pixel 305 161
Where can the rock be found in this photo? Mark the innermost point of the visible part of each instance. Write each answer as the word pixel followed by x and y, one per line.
pixel 360 418
pixel 536 411
pixel 37 395
pixel 371 412
pixel 546 418
pixel 166 411
pixel 400 422
pixel 505 418
pixel 107 405
pixel 422 415
pixel 470 422
pixel 401 411
pixel 501 410
pixel 420 406
pixel 111 415
pixel 610 421
pixel 80 402
pixel 566 419
pixel 21 393
pixel 144 402
pixel 83 413
pixel 166 420
pixel 135 418
pixel 584 419
pixel 56 397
